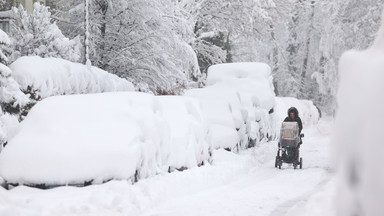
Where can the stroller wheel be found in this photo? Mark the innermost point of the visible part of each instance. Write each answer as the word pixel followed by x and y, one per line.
pixel 294 166
pixel 280 163
pixel 301 163
pixel 276 161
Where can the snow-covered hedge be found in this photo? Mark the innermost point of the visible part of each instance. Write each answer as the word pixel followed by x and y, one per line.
pixel 53 76
pixel 126 135
pixel 237 102
pixel 308 112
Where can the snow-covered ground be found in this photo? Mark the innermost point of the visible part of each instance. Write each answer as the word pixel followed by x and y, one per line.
pixel 235 184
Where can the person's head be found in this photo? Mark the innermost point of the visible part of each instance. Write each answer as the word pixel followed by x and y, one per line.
pixel 292 115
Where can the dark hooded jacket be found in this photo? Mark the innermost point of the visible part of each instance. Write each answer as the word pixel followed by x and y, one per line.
pixel 296 119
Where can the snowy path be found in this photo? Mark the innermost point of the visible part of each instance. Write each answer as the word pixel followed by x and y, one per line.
pixel 262 190
pixel 245 184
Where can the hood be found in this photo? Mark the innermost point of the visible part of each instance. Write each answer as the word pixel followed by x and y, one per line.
pixel 293 109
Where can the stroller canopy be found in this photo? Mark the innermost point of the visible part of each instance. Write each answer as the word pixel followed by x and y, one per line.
pixel 289 131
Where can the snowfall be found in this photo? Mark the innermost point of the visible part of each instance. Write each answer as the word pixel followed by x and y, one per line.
pixel 190 154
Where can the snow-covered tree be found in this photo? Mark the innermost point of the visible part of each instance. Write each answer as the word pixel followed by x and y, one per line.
pixel 35 34
pixel 11 97
pixel 162 44
pixel 136 40
pixel 214 26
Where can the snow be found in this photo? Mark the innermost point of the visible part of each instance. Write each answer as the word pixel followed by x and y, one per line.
pixel 7 124
pixel 219 117
pixel 4 39
pixel 320 203
pixel 223 137
pixel 10 94
pixel 308 113
pixel 54 76
pixel 9 88
pixel 235 184
pixel 34 33
pixel 237 99
pixel 250 78
pixel 359 131
pixel 188 131
pixel 126 135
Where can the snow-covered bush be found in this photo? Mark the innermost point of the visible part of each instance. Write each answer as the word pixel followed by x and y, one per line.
pixel 308 112
pixel 125 135
pixel 11 98
pixel 35 35
pixel 46 77
pixel 359 131
pixel 242 95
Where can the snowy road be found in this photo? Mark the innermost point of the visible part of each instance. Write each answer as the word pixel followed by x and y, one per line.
pixel 244 184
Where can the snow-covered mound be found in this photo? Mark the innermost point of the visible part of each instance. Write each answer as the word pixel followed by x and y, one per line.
pixel 308 112
pixel 250 79
pixel 126 135
pixel 217 110
pixel 238 102
pixel 54 76
pixel 187 130
pixel 359 130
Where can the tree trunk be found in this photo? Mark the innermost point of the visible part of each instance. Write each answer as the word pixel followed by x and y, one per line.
pixel 103 29
pixel 304 69
pixel 228 47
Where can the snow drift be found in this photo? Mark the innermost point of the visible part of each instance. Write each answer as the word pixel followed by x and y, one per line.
pixel 359 131
pixel 54 76
pixel 238 103
pixel 126 135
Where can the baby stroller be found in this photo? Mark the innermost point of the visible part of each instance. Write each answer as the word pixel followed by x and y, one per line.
pixel 289 145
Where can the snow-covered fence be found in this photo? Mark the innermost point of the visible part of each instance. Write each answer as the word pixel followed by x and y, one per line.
pixel 47 77
pixel 97 137
pixel 238 103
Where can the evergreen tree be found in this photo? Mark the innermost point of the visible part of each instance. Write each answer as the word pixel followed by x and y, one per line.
pixel 34 34
pixel 11 98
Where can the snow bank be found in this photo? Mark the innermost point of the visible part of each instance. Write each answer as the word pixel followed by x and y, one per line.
pixel 54 76
pixel 126 135
pixel 359 131
pixel 308 112
pixel 237 102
